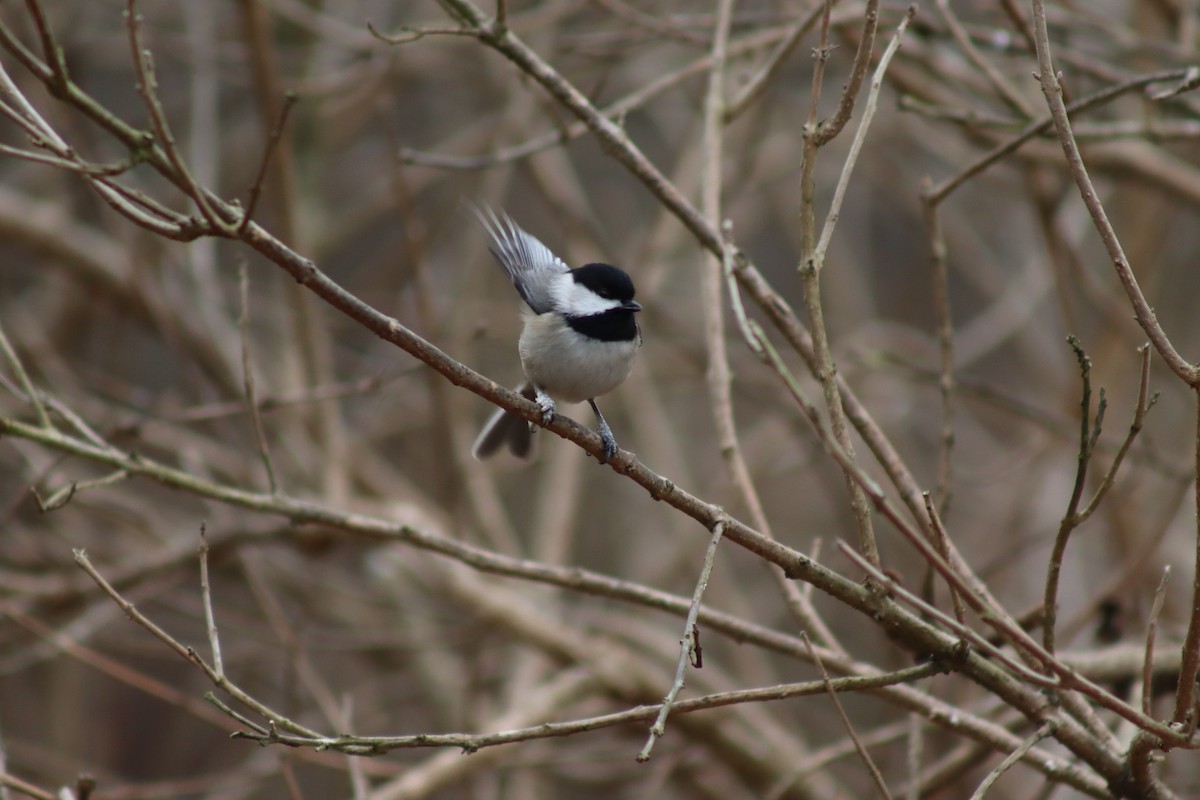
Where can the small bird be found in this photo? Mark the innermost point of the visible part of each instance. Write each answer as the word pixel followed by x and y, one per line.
pixel 580 335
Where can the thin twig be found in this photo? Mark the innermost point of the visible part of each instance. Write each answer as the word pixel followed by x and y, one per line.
pixel 1145 748
pixel 717 273
pixel 757 84
pixel 1007 92
pixel 947 380
pixel 1070 521
pixel 1160 595
pixel 963 632
pixel 1039 127
pixel 1052 89
pixel 1145 401
pixel 617 110
pixel 210 620
pixel 1189 82
pixel 473 742
pixel 147 86
pixel 289 100
pixel 31 392
pixel 810 273
pixel 64 495
pixel 116 197
pixel 189 654
pixel 8 781
pixel 808 165
pixel 1185 695
pixel 876 775
pixel 974 590
pixel 860 135
pixel 43 131
pixel 51 51
pixel 384 530
pixel 124 200
pixel 735 293
pixel 235 714
pixel 260 435
pixel 954 572
pixel 409 34
pixel 1062 677
pixel 1044 730
pixel 943 544
pixel 82 167
pixel 830 128
pixel 687 645
pixel 914 751
pixel 719 377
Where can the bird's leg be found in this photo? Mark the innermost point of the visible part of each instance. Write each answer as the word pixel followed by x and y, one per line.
pixel 606 434
pixel 546 404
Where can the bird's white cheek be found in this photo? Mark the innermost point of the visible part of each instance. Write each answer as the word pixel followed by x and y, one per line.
pixel 574 298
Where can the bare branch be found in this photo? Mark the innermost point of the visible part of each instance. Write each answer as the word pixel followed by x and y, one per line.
pixel 1052 89
pixel 689 646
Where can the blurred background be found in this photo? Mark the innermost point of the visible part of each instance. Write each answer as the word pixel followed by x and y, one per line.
pixel 142 338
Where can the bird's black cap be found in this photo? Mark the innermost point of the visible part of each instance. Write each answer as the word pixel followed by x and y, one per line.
pixel 612 283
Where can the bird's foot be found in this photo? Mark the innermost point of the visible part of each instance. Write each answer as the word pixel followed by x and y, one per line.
pixel 546 403
pixel 606 435
pixel 610 444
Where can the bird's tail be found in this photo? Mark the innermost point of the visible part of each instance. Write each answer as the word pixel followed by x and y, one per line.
pixel 505 429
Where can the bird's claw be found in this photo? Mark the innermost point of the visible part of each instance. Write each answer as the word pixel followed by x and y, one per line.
pixel 610 443
pixel 546 403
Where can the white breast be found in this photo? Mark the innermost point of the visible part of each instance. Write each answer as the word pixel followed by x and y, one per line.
pixel 570 367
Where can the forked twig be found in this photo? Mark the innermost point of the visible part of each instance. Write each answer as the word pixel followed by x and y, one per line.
pixel 831 127
pixel 188 653
pixel 31 392
pixel 1145 401
pixel 147 86
pixel 860 136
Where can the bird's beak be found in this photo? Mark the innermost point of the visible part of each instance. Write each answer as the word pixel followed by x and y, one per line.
pixel 632 305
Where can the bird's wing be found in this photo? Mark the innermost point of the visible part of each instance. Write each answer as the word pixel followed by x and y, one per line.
pixel 529 263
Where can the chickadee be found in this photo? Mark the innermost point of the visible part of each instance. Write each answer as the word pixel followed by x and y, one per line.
pixel 577 344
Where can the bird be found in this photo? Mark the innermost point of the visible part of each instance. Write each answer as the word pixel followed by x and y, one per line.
pixel 579 339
